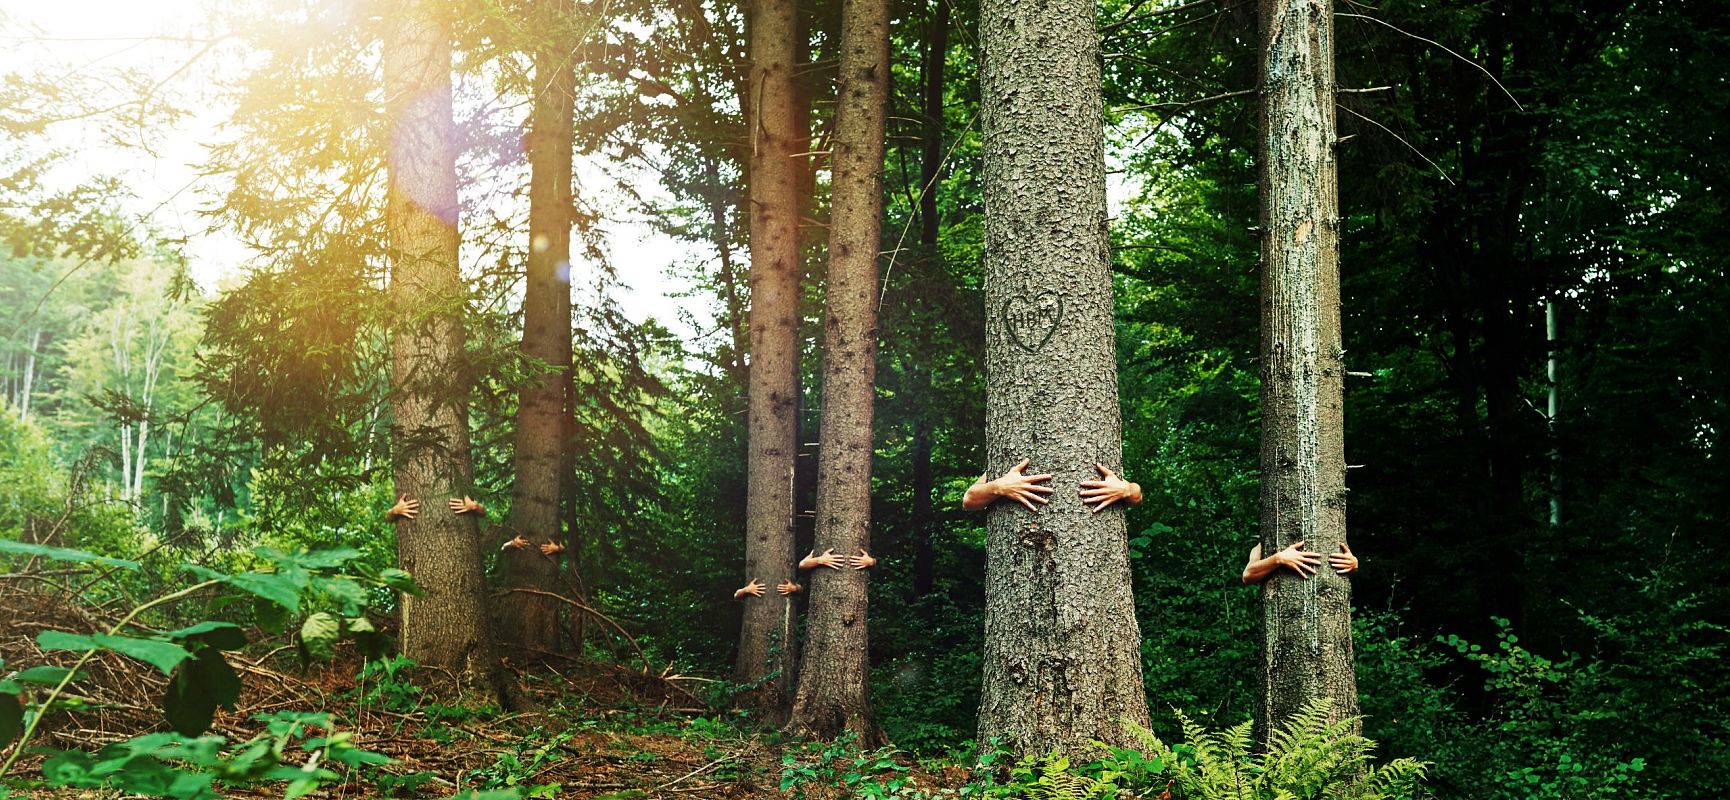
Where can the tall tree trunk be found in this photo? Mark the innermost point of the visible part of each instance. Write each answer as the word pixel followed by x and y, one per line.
pixel 923 517
pixel 29 375
pixel 766 635
pixel 931 156
pixel 447 627
pixel 525 620
pixel 832 694
pixel 1062 647
pixel 1306 623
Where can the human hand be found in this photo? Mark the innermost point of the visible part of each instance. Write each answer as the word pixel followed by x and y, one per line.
pixel 788 587
pixel 1343 562
pixel 828 559
pixel 551 549
pixel 1109 489
pixel 517 543
pixel 1298 560
pixel 405 508
pixel 862 561
pixel 466 505
pixel 753 589
pixel 1024 489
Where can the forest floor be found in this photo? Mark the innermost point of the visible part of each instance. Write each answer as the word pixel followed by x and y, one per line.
pixel 599 730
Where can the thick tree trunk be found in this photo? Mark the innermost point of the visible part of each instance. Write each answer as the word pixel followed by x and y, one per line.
pixel 1306 623
pixel 766 635
pixel 1062 648
pixel 447 628
pixel 833 695
pixel 526 620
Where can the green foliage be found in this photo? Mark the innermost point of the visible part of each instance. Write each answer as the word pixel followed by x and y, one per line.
pixel 517 767
pixel 186 764
pixel 1306 757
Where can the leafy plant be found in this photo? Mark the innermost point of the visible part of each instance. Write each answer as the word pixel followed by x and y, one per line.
pixel 184 763
pixel 1307 757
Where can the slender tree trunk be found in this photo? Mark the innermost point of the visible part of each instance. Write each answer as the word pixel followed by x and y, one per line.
pixel 446 628
pixel 833 694
pixel 1306 623
pixel 1553 407
pixel 923 517
pixel 930 222
pixel 526 620
pixel 1062 647
pixel 766 636
pixel 29 375
pixel 931 157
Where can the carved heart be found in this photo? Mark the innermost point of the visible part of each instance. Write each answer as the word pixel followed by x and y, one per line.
pixel 1033 320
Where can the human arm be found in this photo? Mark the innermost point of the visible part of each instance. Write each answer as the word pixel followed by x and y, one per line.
pixel 1024 489
pixel 1295 558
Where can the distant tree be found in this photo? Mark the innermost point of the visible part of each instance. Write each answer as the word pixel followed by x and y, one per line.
pixel 766 656
pixel 833 694
pixel 528 620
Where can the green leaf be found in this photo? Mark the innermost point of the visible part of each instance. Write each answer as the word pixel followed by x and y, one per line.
pixel 401 581
pixel 330 558
pixel 162 655
pixel 276 588
pixel 45 676
pixel 217 635
pixel 319 633
pixel 11 719
pixel 63 554
pixel 197 689
pixel 349 595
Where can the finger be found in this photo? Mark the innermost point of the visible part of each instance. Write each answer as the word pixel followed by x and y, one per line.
pixel 1023 499
pixel 1021 466
pixel 1043 476
pixel 1103 470
pixel 1344 548
pixel 1297 545
pixel 1106 502
pixel 1094 492
pixel 1040 489
pixel 1091 484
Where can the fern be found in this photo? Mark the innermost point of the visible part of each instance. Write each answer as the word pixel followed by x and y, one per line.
pixel 1308 758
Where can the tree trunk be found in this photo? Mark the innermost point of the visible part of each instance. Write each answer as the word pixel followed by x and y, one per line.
pixel 1062 647
pixel 29 375
pixel 765 660
pixel 833 694
pixel 923 517
pixel 525 620
pixel 447 628
pixel 1306 623
pixel 931 157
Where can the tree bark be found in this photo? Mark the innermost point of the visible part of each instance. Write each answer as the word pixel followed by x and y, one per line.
pixel 765 660
pixel 832 695
pixel 1306 623
pixel 923 516
pixel 931 157
pixel 1062 647
pixel 527 620
pixel 447 628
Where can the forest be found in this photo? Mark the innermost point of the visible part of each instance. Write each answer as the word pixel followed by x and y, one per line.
pixel 1162 399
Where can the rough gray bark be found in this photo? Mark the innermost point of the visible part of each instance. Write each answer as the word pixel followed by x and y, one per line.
pixel 448 627
pixel 1306 623
pixel 523 619
pixel 1062 647
pixel 766 636
pixel 832 695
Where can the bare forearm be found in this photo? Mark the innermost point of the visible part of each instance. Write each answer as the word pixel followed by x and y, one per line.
pixel 1258 570
pixel 979 496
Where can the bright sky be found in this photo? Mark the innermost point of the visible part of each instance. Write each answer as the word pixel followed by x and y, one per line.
pixel 92 35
